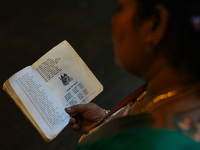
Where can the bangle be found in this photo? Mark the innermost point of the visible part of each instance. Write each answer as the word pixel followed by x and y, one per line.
pixel 106 111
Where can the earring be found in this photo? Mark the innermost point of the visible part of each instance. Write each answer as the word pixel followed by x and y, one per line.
pixel 150 47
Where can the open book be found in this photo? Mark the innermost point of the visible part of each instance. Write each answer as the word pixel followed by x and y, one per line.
pixel 57 80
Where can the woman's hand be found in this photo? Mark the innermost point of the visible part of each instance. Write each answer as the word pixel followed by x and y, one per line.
pixel 84 117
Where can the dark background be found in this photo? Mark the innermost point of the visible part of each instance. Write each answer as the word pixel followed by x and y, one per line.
pixel 28 29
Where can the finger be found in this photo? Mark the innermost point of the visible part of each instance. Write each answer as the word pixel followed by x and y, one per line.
pixel 72 121
pixel 70 110
pixel 75 127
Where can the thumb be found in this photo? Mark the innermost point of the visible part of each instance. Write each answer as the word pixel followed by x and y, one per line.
pixel 81 108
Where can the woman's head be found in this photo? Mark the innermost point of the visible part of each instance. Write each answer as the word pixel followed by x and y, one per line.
pixel 181 41
pixel 176 25
pixel 132 39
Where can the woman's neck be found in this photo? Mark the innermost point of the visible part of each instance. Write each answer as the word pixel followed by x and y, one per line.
pixel 162 78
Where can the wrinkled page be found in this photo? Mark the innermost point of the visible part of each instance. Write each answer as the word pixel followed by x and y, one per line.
pixel 67 75
pixel 41 103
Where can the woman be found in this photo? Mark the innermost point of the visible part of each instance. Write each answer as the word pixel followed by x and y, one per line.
pixel 157 40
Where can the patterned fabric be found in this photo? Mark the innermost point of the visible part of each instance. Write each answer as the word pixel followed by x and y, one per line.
pixel 185 125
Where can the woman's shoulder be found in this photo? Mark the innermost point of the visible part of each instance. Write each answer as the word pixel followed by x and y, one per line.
pixel 114 126
pixel 144 139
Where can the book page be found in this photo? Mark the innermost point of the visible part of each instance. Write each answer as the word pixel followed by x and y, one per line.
pixel 41 103
pixel 67 75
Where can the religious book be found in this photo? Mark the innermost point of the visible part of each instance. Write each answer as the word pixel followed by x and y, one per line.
pixel 42 91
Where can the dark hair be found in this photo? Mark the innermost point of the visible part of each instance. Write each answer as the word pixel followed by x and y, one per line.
pixel 182 37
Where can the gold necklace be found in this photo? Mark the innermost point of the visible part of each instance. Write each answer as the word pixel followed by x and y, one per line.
pixel 158 99
pixel 166 97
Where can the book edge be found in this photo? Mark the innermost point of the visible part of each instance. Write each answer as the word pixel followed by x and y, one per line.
pixel 9 90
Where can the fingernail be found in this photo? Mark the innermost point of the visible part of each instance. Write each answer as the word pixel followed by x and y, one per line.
pixel 67 109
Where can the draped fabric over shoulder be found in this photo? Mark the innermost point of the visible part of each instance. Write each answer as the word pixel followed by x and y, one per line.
pixel 144 139
pixel 136 132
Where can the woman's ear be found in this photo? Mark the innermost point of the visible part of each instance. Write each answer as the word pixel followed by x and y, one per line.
pixel 157 25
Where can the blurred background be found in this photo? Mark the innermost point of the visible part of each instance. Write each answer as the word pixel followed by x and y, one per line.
pixel 30 28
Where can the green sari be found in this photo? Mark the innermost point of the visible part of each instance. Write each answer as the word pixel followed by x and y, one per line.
pixel 136 133
pixel 143 139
